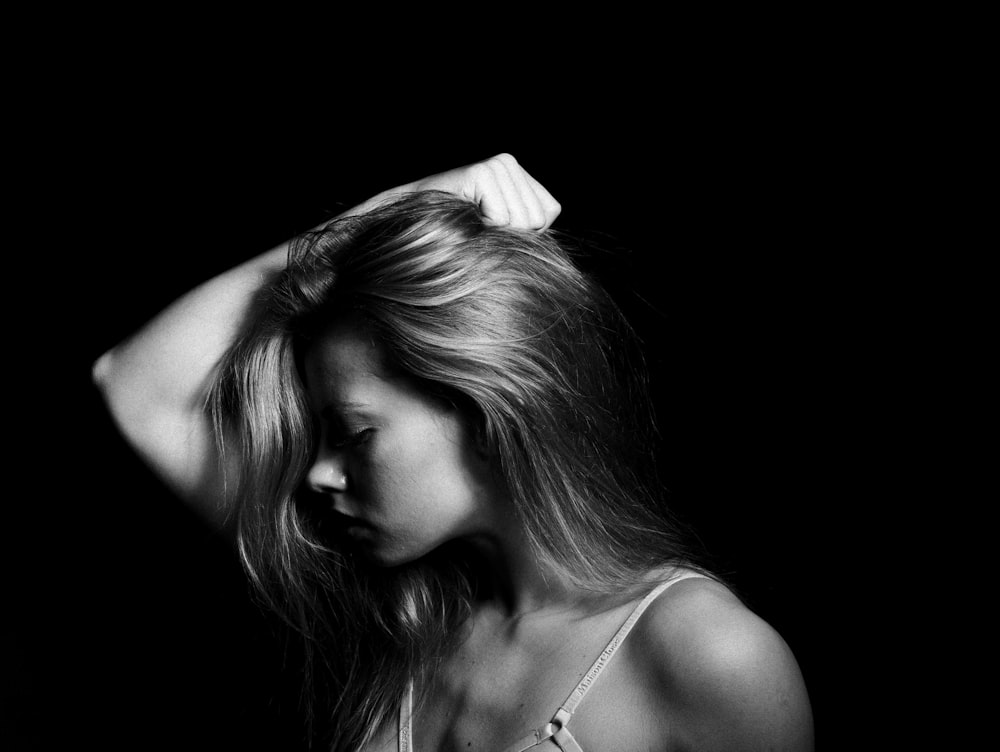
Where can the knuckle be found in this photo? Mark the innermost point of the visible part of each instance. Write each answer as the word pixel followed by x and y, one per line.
pixel 479 171
pixel 506 159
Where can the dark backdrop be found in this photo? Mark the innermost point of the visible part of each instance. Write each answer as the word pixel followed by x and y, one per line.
pixel 133 626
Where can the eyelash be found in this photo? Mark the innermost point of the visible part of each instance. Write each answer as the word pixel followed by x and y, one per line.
pixel 355 439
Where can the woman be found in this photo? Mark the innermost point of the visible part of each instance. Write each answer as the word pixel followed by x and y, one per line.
pixel 431 433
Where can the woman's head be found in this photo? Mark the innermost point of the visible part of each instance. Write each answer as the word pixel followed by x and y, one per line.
pixel 502 327
pixel 501 373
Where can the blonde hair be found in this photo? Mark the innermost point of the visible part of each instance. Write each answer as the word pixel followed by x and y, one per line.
pixel 505 326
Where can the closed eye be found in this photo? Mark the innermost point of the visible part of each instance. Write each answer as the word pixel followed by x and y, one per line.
pixel 352 440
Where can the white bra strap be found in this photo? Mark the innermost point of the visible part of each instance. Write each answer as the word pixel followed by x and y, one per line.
pixel 562 716
pixel 565 711
pixel 406 720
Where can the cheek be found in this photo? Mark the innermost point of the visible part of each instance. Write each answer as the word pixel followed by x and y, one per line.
pixel 421 479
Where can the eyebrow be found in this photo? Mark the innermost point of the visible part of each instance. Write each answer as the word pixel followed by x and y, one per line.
pixel 331 408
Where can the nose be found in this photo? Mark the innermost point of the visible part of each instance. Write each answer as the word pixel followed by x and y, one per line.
pixel 328 473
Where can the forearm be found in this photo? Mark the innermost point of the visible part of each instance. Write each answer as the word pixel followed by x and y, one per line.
pixel 171 359
pixel 156 381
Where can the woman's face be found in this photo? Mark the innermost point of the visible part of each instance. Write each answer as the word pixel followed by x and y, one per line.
pixel 398 465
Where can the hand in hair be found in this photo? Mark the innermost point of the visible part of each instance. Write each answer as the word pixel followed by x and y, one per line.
pixel 155 382
pixel 504 191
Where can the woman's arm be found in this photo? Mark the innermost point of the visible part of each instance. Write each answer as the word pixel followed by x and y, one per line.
pixel 155 382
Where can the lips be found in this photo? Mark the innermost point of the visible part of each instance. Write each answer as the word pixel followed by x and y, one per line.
pixel 359 532
pixel 352 527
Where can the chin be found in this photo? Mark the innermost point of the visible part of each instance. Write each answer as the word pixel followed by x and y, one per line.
pixel 380 555
pixel 383 550
pixel 388 556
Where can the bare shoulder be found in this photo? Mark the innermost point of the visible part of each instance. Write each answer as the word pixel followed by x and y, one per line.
pixel 724 675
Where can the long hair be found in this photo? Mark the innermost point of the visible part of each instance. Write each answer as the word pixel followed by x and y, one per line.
pixel 502 324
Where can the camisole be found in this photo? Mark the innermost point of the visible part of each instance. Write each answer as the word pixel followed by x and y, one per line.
pixel 554 735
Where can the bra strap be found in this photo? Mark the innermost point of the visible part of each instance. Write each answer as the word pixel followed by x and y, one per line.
pixel 556 728
pixel 562 715
pixel 406 720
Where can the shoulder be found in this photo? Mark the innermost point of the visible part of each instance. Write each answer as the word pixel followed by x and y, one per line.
pixel 724 675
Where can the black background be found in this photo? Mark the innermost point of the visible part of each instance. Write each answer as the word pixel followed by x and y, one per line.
pixel 732 246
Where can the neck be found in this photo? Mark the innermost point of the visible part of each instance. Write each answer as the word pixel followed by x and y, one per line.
pixel 513 580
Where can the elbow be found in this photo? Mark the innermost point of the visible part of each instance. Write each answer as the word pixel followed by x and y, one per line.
pixel 110 377
pixel 101 369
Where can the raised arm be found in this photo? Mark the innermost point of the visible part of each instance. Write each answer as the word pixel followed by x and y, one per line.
pixel 155 382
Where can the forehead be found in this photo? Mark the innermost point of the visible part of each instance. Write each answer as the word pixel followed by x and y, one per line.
pixel 344 362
